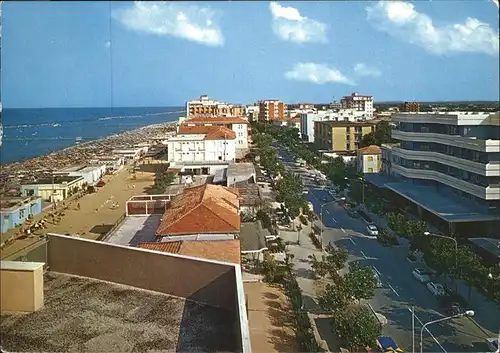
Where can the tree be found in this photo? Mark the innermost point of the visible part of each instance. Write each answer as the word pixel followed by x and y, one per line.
pixel 330 264
pixel 357 327
pixel 360 281
pixel 273 272
pixel 383 133
pixel 415 233
pixel 368 140
pixel 335 298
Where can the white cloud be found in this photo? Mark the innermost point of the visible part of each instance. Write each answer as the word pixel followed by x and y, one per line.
pixel 365 70
pixel 194 23
pixel 288 24
pixel 107 44
pixel 317 73
pixel 401 20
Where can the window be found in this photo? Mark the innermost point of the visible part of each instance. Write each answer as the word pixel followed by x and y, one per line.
pixel 21 214
pixel 370 170
pixel 370 158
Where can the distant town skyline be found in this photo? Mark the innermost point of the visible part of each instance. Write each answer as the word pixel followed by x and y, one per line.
pixel 100 54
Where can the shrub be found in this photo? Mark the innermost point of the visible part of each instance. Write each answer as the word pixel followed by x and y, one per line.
pixel 303 219
pixel 316 229
pixel 411 257
pixel 315 240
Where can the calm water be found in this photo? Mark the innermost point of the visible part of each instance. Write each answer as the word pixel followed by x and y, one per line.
pixel 29 133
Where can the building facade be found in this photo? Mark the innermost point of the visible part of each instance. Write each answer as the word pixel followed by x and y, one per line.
pixel 369 159
pixel 307 119
pixel 204 148
pixel 205 106
pixel 53 189
pixel 91 174
pixel 272 109
pixel 341 136
pixel 457 152
pixel 359 103
pixel 16 210
pixel 238 125
pixel 252 112
pixel 410 107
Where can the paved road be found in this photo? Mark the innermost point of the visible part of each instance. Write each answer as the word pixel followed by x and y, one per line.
pixel 400 290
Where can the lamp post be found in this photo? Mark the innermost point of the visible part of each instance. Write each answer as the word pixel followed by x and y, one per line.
pixel 362 183
pixel 468 313
pixel 446 237
pixel 321 216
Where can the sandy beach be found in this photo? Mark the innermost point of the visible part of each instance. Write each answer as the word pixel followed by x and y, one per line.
pixel 80 154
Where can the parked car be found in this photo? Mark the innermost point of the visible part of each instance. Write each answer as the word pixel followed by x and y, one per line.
pixel 372 230
pixel 387 344
pixel 353 213
pixel 422 275
pixel 436 289
pixel 453 308
pixel 377 278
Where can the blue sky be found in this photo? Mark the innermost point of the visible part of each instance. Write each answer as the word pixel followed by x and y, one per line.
pixel 57 54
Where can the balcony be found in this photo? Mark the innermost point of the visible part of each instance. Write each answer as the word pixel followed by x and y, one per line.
pixel 489 169
pixel 451 140
pixel 486 193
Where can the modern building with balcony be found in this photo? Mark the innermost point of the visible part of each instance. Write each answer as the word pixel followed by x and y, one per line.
pixel 341 136
pixel 448 165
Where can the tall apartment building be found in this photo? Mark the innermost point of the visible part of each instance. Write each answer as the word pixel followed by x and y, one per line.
pixel 272 109
pixel 252 112
pixel 341 136
pixel 209 107
pixel 358 102
pixel 443 155
pixel 307 119
pixel 410 107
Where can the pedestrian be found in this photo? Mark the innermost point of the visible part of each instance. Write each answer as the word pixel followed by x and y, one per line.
pixel 78 206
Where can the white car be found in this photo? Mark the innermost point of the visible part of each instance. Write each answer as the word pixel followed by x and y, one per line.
pixel 372 230
pixel 422 275
pixel 436 289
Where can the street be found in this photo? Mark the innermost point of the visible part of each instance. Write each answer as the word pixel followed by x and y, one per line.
pixel 400 291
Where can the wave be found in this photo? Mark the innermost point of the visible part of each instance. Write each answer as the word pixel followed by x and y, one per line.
pixel 59 123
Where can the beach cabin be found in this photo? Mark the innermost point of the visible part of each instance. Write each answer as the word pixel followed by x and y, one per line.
pixel 16 210
pixel 91 174
pixel 53 189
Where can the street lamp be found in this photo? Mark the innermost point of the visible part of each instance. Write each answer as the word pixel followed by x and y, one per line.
pixel 321 215
pixel 446 237
pixel 362 183
pixel 468 313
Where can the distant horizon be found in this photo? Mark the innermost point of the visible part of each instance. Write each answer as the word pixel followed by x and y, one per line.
pixel 290 103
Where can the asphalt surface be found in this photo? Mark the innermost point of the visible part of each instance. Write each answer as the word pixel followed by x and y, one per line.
pixel 400 291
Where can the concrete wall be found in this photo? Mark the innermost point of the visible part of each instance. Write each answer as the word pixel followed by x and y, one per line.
pixel 21 286
pixel 201 280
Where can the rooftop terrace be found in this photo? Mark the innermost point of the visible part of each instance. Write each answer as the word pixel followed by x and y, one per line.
pixel 89 315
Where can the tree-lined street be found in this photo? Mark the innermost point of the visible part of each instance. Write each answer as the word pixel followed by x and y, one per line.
pixel 400 291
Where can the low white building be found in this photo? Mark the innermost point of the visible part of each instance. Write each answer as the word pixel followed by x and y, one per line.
pixel 91 174
pixel 53 189
pixel 307 119
pixel 238 125
pixel 130 154
pixel 113 163
pixel 202 149
pixel 369 159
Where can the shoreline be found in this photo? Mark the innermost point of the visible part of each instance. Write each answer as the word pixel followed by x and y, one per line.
pixel 81 153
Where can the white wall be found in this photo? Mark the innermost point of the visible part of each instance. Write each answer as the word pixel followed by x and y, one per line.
pixel 369 166
pixel 192 150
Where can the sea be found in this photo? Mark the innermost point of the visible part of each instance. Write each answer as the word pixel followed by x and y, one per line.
pixel 29 133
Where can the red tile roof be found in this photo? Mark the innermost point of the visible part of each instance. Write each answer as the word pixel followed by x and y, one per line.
pixel 202 209
pixel 211 132
pixel 372 149
pixel 219 250
pixel 219 120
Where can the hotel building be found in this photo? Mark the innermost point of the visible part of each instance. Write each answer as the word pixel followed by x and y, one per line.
pixel 272 109
pixel 448 166
pixel 341 136
pixel 209 107
pixel 359 103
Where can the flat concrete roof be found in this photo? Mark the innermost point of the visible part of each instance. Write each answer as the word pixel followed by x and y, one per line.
pixel 135 229
pixel 451 208
pixel 87 315
pixel 489 244
pixel 252 236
